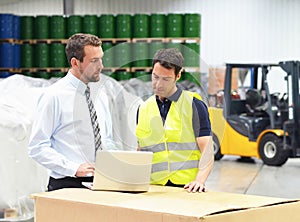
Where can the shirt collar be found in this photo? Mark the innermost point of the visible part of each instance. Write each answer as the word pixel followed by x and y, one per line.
pixel 77 83
pixel 175 96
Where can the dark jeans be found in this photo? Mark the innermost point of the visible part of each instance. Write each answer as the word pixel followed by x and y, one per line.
pixel 67 182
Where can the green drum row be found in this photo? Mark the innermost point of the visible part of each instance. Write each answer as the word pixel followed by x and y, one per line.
pixel 111 26
pixel 194 77
pixel 123 75
pixel 45 75
pixel 43 55
pixel 140 54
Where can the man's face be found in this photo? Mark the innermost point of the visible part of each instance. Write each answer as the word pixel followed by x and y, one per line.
pixel 163 81
pixel 91 66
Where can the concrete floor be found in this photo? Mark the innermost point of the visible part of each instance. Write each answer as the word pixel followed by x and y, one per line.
pixel 231 174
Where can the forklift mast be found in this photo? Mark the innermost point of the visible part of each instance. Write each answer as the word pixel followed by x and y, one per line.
pixel 293 124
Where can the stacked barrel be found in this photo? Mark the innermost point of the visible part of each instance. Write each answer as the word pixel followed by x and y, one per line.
pixel 129 42
pixel 9 45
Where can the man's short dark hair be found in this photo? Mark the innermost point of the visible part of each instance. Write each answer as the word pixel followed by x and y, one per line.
pixel 76 43
pixel 169 58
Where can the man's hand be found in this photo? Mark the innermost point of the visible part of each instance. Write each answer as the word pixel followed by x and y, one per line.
pixel 195 186
pixel 85 169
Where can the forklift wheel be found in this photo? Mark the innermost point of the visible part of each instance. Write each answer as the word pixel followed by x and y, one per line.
pixel 217 148
pixel 271 150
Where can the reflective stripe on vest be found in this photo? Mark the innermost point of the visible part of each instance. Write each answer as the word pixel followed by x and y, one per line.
pixel 175 151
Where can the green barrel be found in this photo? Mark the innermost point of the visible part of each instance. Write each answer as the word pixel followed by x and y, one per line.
pixel 191 54
pixel 43 75
pixel 157 25
pixel 106 26
pixel 123 26
pixel 108 58
pixel 26 27
pixel 122 53
pixel 74 25
pixel 57 24
pixel 90 24
pixel 140 26
pixel 123 75
pixel 58 74
pixel 109 73
pixel 192 25
pixel 41 27
pixel 153 48
pixel 174 25
pixel 42 55
pixel 57 55
pixel 140 54
pixel 194 77
pixel 27 56
pixel 176 45
pixel 29 74
pixel 142 75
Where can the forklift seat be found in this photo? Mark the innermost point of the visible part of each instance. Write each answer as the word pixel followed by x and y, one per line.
pixel 253 98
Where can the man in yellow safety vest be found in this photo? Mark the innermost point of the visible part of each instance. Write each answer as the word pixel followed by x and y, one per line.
pixel 174 124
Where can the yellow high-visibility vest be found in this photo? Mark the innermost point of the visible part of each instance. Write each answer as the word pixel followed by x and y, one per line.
pixel 175 152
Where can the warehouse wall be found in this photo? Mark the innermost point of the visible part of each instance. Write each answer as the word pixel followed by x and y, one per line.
pixel 232 30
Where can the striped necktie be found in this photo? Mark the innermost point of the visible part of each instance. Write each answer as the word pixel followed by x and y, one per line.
pixel 94 121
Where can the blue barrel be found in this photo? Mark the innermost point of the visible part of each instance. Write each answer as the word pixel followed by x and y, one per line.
pixel 7 30
pixel 7 55
pixel 17 27
pixel 17 55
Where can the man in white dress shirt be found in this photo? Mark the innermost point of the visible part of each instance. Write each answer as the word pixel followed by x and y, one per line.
pixel 62 138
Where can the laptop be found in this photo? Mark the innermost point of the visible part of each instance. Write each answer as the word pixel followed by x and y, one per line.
pixel 119 170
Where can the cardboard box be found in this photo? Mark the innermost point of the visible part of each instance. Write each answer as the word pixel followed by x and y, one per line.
pixel 161 204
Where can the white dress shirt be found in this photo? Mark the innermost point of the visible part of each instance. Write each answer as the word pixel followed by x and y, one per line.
pixel 62 135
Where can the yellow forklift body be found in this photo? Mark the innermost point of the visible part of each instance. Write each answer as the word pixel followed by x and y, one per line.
pixel 232 142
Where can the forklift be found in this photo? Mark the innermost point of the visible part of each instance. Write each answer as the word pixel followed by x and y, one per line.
pixel 253 119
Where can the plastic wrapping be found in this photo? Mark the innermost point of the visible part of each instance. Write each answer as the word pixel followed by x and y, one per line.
pixel 20 175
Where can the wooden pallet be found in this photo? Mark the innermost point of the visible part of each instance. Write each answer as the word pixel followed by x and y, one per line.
pixel 146 69
pixel 116 69
pixel 49 41
pixel 10 40
pixel 148 40
pixel 116 40
pixel 182 40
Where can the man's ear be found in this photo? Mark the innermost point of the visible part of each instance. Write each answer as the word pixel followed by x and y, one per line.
pixel 179 75
pixel 74 62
